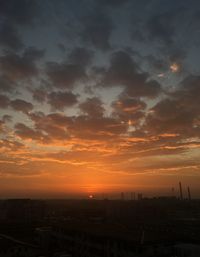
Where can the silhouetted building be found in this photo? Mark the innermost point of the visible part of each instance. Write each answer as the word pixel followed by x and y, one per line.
pixel 25 210
pixel 181 191
pixel 140 196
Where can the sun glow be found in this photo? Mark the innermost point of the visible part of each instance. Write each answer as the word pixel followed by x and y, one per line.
pixel 174 67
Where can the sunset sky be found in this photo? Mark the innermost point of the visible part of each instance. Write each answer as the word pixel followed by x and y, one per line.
pixel 99 96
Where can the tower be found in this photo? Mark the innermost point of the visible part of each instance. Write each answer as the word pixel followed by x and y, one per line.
pixel 181 192
pixel 189 195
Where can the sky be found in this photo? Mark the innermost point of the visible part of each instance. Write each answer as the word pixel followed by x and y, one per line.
pixel 99 97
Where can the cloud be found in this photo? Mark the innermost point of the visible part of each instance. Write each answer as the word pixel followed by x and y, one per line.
pixel 43 121
pixel 97 128
pixel 17 104
pixel 1 126
pixel 21 105
pixel 10 145
pixel 129 109
pixel 97 29
pixel 20 12
pixel 16 67
pixel 7 118
pixel 52 126
pixel 123 71
pixel 169 116
pixel 5 84
pixel 161 27
pixel 81 56
pixel 16 15
pixel 39 94
pixel 25 132
pixel 179 113
pixel 4 101
pixel 10 37
pixel 60 100
pixel 164 29
pixel 64 75
pixel 92 107
pixel 112 3
pixel 63 128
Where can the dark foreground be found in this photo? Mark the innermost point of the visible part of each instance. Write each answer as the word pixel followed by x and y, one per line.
pixel 161 227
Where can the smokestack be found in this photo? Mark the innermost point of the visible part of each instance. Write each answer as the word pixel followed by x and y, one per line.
pixel 181 192
pixel 189 195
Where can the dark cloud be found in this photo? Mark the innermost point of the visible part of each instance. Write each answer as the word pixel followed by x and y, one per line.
pixel 92 107
pixel 1 126
pixel 7 118
pixel 39 94
pixel 33 54
pixel 60 100
pixel 21 12
pixel 43 121
pixel 177 55
pixel 60 127
pixel 64 75
pixel 123 71
pixel 4 101
pixel 5 84
pixel 10 145
pixel 81 56
pixel 168 117
pixel 169 57
pixel 21 105
pixel 54 126
pixel 164 29
pixel 189 91
pixel 18 67
pixel 122 68
pixel 161 27
pixel 157 64
pixel 9 37
pixel 129 109
pixel 97 128
pixel 17 104
pixel 97 29
pixel 61 47
pixel 25 132
pixel 14 16
pixel 112 3
pixel 180 113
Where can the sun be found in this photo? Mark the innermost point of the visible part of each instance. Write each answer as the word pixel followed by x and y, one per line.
pixel 91 196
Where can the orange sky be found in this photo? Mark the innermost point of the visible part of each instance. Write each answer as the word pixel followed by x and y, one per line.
pixel 99 97
pixel 78 168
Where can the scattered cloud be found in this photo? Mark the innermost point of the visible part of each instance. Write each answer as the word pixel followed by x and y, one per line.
pixel 123 71
pixel 60 100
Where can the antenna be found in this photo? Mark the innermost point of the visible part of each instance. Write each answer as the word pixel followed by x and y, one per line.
pixel 189 195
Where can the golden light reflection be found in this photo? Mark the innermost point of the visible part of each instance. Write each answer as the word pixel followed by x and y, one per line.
pixel 175 67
